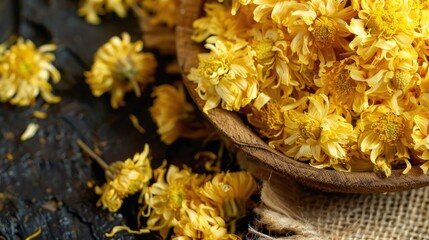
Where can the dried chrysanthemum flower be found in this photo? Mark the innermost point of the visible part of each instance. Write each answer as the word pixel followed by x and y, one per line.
pixel 226 75
pixel 384 133
pixel 420 136
pixel 200 221
pixel 92 9
pixel 219 23
pixel 124 179
pixel 382 29
pixel 160 11
pixel 164 198
pixel 119 67
pixel 174 116
pixel 337 80
pixel 271 53
pixel 316 132
pixel 229 193
pixel 25 72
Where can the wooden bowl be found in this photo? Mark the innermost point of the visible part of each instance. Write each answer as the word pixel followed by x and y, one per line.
pixel 256 151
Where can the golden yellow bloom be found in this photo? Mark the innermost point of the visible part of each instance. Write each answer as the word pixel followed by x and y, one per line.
pixel 91 9
pixel 316 132
pixel 219 23
pixel 124 179
pixel 420 136
pixel 268 114
pixel 119 67
pixel 335 80
pixel 171 112
pixel 382 29
pixel 200 221
pixel 318 28
pixel 164 198
pixel 271 56
pixel 384 133
pixel 229 193
pixel 226 75
pixel 161 11
pixel 25 72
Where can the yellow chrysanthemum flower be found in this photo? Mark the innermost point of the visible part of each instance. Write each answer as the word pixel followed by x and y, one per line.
pixel 171 112
pixel 119 67
pixel 389 78
pixel 316 132
pixel 226 75
pixel 91 9
pixel 271 52
pixel 229 193
pixel 124 179
pixel 382 29
pixel 160 11
pixel 200 221
pixel 164 198
pixel 335 80
pixel 268 114
pixel 384 133
pixel 420 136
pixel 318 28
pixel 219 23
pixel 25 72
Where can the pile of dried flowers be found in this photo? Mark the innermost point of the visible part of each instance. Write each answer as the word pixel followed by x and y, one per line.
pixel 177 203
pixel 341 84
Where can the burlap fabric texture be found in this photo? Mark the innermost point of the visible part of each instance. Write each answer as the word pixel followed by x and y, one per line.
pixel 290 211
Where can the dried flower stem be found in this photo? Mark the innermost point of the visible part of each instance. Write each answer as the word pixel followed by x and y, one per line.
pixel 94 156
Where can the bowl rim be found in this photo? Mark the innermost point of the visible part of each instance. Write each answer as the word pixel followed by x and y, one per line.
pixel 230 126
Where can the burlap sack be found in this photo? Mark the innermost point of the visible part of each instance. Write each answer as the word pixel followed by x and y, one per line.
pixel 290 211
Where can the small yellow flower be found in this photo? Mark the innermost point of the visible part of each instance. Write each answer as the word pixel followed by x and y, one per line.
pixel 272 52
pixel 25 72
pixel 171 112
pixel 420 136
pixel 161 11
pixel 91 9
pixel 382 29
pixel 335 80
pixel 200 221
pixel 219 23
pixel 119 67
pixel 318 28
pixel 229 193
pixel 268 113
pixel 226 75
pixel 384 133
pixel 164 198
pixel 317 132
pixel 124 179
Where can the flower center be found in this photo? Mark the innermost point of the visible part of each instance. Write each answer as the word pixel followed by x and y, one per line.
pixel 264 51
pixel 386 23
pixel 213 68
pixel 389 128
pixel 273 116
pixel 343 83
pixel 310 128
pixel 324 31
pixel 176 194
pixel 125 69
pixel 401 80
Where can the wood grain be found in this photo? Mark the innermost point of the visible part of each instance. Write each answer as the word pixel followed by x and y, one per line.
pixel 254 151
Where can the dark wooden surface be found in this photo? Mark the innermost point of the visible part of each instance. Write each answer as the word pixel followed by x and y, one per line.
pixel 256 152
pixel 45 184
